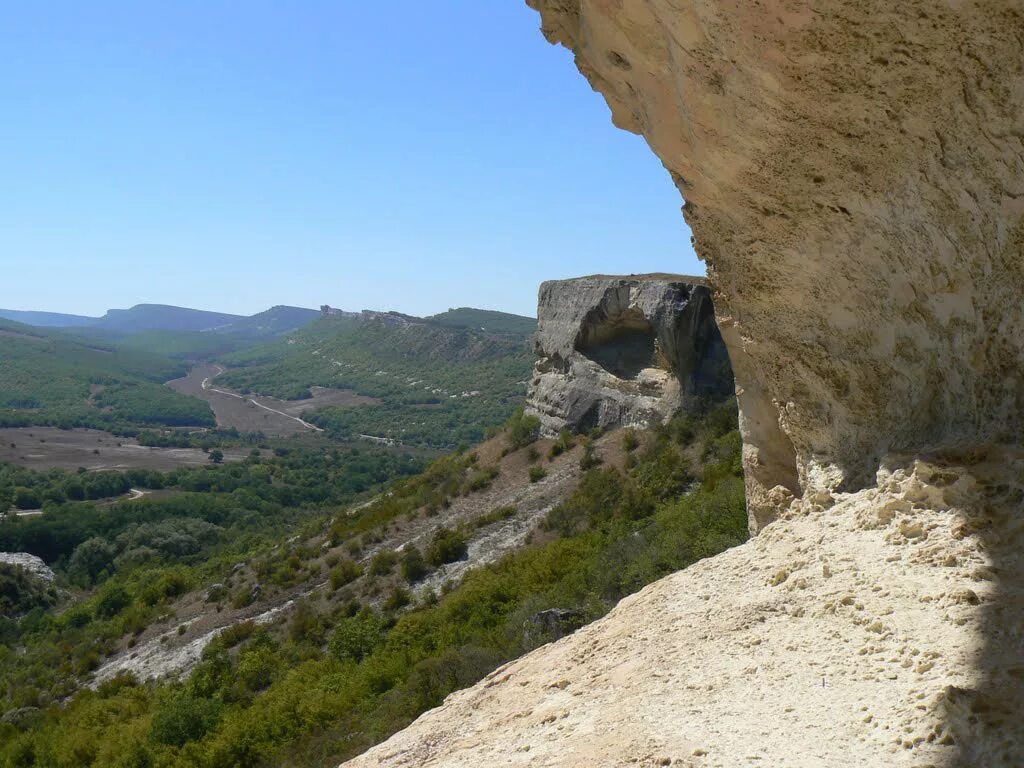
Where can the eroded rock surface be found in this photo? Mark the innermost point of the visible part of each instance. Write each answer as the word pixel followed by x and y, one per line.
pixel 854 178
pixel 32 564
pixel 624 351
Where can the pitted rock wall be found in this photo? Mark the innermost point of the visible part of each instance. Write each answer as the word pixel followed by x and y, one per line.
pixel 624 351
pixel 854 178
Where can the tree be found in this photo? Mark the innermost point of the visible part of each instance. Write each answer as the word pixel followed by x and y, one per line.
pixel 217 456
pixel 357 636
pixel 26 498
pixel 90 559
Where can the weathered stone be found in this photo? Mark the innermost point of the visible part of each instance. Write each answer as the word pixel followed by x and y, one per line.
pixel 32 564
pixel 630 351
pixel 854 178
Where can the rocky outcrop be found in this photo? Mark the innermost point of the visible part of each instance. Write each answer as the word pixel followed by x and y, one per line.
pixel 854 178
pixel 30 563
pixel 624 351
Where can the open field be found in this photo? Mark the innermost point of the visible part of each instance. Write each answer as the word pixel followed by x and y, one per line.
pixel 269 415
pixel 49 447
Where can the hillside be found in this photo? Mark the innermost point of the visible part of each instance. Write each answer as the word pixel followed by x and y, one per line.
pixel 270 322
pixel 50 378
pixel 831 639
pixel 117 323
pixel 304 632
pixel 145 317
pixel 440 385
pixel 487 321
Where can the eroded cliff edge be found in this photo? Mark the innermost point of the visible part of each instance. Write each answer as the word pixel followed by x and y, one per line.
pixel 853 178
pixel 624 351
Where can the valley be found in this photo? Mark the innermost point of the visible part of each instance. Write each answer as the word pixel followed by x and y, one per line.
pixel 52 448
pixel 254 413
pixel 326 538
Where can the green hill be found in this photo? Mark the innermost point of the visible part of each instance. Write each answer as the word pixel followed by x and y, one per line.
pixel 486 321
pixel 51 378
pixel 271 322
pixel 439 385
pixel 143 317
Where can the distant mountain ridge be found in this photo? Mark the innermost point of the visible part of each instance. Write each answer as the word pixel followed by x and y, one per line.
pixel 165 317
pixel 46 319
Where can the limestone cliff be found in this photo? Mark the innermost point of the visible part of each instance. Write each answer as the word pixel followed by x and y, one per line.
pixel 854 177
pixel 624 351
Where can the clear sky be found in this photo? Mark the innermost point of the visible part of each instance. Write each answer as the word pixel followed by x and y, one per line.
pixel 406 155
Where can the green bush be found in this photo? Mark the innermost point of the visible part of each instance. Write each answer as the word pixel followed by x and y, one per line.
pixel 446 546
pixel 521 430
pixel 345 572
pixel 383 563
pixel 414 566
pixel 399 598
pixel 182 718
pixel 537 474
pixel 630 441
pixel 112 601
pixel 356 636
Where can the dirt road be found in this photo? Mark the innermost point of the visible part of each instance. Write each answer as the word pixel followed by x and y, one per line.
pixel 257 413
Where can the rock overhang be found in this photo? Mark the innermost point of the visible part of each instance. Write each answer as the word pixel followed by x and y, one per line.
pixel 624 351
pixel 854 178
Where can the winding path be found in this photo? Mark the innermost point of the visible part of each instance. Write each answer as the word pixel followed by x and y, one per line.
pixel 220 369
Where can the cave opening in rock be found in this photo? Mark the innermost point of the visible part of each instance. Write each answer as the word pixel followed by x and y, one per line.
pixel 623 344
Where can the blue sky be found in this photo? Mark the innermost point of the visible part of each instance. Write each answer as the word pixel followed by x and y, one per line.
pixel 405 155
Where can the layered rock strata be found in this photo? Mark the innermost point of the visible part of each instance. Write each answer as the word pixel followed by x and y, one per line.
pixel 624 351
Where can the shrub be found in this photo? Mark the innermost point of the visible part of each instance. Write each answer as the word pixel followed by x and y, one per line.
pixel 383 563
pixel 589 459
pixel 345 572
pixel 112 602
pixel 537 474
pixel 356 636
pixel 522 430
pixel 630 441
pixel 399 598
pixel 447 546
pixel 183 718
pixel 481 479
pixel 414 566
pixel 169 585
pixel 565 442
